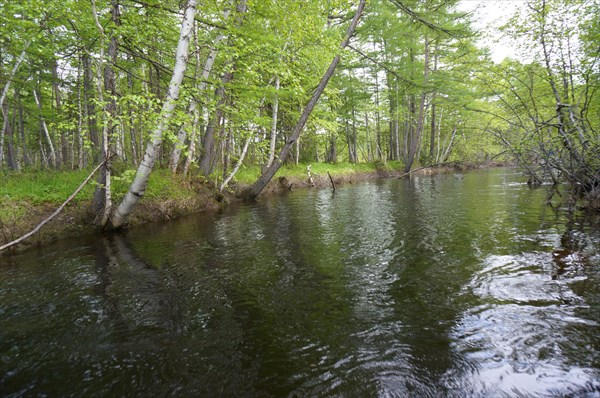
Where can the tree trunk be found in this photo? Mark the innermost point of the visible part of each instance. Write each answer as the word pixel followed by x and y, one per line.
pixel 45 129
pixel 418 132
pixel 273 138
pixel 90 110
pixel 237 165
pixel 24 150
pixel 4 95
pixel 138 187
pixel 207 159
pixel 394 136
pixel 379 150
pixel 102 202
pixel 432 136
pixel 193 142
pixel 332 152
pixel 206 70
pixel 8 128
pixel 253 191
pixel 64 149
pixel 449 147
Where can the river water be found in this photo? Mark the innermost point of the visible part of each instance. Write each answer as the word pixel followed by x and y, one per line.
pixel 446 286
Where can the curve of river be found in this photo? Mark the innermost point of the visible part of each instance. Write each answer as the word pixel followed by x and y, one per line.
pixel 453 285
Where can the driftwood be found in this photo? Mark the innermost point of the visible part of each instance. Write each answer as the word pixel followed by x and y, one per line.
pixel 331 179
pixel 56 212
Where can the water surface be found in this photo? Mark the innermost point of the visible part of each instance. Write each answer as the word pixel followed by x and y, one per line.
pixel 453 285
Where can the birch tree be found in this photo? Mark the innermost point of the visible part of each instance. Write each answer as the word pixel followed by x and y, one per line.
pixel 140 182
pixel 193 108
pixel 18 62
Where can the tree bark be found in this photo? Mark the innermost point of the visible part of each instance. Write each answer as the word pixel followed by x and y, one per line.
pixel 4 95
pixel 24 150
pixel 90 110
pixel 140 182
pixel 379 150
pixel 237 165
pixel 255 189
pixel 206 70
pixel 102 201
pixel 273 138
pixel 64 149
pixel 415 138
pixel 207 159
pixel 45 129
pixel 432 136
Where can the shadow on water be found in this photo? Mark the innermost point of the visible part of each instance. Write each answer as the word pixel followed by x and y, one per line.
pixel 433 286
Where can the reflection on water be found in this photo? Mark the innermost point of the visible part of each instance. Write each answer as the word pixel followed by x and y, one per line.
pixel 435 286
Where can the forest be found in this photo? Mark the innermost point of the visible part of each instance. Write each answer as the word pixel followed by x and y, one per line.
pixel 206 88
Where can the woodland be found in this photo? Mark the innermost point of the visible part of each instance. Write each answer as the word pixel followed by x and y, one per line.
pixel 206 88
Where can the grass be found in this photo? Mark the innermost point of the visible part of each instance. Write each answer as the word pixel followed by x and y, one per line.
pixel 249 174
pixel 40 187
pixel 19 191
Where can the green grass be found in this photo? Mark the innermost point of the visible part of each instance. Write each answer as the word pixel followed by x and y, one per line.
pixel 41 187
pixel 249 174
pixel 54 187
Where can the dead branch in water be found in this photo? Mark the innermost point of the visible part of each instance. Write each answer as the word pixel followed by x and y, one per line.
pixel 331 179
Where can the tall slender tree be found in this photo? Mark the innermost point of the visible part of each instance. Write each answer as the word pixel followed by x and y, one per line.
pixel 140 182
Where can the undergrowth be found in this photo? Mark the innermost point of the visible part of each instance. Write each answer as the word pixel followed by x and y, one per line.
pixel 19 191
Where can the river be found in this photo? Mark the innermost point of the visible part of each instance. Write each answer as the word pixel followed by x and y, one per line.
pixel 463 285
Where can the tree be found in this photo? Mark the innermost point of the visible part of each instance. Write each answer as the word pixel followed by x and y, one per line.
pixel 139 184
pixel 253 191
pixel 545 104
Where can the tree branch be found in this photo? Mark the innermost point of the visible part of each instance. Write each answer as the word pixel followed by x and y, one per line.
pixel 56 212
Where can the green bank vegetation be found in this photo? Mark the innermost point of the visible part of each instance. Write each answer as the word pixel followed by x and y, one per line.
pixel 19 191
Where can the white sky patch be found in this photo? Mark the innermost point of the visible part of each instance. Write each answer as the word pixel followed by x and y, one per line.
pixel 488 16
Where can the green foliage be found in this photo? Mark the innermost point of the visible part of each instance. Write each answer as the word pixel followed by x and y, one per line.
pixel 43 187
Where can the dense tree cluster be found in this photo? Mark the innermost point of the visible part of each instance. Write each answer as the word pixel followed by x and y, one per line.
pixel 84 82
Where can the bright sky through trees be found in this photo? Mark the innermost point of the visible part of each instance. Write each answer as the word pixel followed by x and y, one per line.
pixel 489 15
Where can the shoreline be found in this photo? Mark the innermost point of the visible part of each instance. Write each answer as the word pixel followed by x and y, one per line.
pixel 75 219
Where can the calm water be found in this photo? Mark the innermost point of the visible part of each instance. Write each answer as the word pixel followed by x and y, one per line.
pixel 447 286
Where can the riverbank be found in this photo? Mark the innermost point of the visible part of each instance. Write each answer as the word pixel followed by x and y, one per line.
pixel 29 198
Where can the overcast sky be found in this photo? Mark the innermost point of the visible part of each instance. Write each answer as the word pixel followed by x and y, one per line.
pixel 489 14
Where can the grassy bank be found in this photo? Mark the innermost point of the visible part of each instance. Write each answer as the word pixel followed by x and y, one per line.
pixel 28 197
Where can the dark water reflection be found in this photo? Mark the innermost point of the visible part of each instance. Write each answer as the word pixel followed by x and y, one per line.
pixel 444 286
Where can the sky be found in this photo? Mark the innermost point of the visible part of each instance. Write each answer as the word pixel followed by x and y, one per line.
pixel 489 14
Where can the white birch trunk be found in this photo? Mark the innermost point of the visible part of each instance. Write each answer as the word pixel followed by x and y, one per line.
pixel 138 187
pixel 449 147
pixel 238 164
pixel 45 128
pixel 206 70
pixel 193 140
pixel 274 124
pixel 3 98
